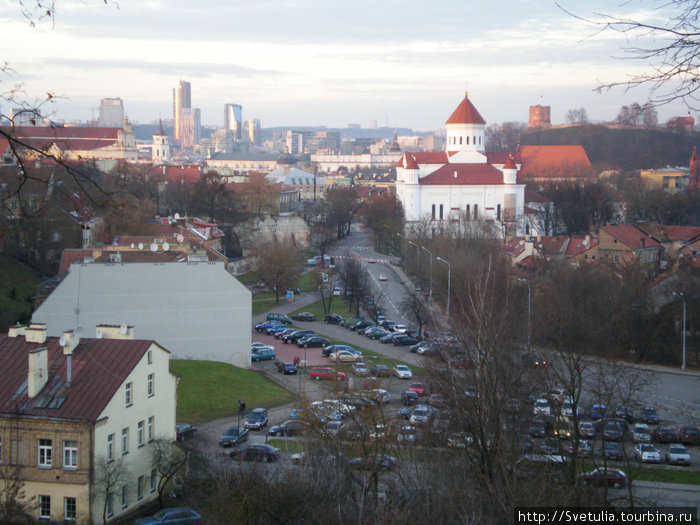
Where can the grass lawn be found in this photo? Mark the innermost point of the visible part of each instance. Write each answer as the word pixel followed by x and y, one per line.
pixel 17 286
pixel 263 305
pixel 210 389
pixel 664 475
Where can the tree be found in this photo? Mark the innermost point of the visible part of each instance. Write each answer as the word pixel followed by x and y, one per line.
pixel 505 136
pixel 15 507
pixel 384 214
pixel 669 52
pixel 577 116
pixel 354 276
pixel 260 194
pixel 168 460
pixel 277 264
pixel 416 311
pixel 110 475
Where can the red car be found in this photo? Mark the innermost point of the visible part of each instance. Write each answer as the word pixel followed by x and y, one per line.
pixel 612 477
pixel 418 388
pixel 323 372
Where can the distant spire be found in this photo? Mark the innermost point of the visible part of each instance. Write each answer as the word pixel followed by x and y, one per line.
pixel 159 131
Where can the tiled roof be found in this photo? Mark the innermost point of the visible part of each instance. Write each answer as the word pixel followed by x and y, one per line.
pixel 552 244
pixel 555 162
pixel 510 163
pixel 514 246
pixel 630 236
pixel 99 367
pixel 67 138
pixel 579 244
pixel 500 157
pixel 664 233
pixel 190 174
pixel 430 157
pixel 465 113
pixel 466 174
pixel 408 162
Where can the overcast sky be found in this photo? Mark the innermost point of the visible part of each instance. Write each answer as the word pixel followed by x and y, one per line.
pixel 309 62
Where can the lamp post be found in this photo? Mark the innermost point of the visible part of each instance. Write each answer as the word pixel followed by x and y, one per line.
pixel 430 293
pixel 682 296
pixel 529 310
pixel 449 284
pixel 418 259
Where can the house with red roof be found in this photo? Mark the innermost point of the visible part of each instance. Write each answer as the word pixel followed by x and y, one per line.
pixel 70 404
pixel 624 244
pixel 462 183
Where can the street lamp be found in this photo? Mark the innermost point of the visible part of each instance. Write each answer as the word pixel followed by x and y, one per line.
pixel 449 281
pixel 430 293
pixel 418 259
pixel 529 311
pixel 682 296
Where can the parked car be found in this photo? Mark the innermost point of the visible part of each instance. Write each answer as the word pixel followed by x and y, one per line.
pixel 641 433
pixel 422 415
pixel 336 292
pixel 265 325
pixel 650 416
pixel 689 435
pixel 612 450
pixel 537 429
pixel 597 411
pixel 291 427
pixel 376 332
pixel 276 329
pixel 542 407
pixel 587 429
pixel 677 455
pixel 611 477
pixel 409 398
pixel 550 446
pixel 379 395
pixel 400 328
pixel 389 338
pixel 280 335
pixel 287 368
pixel 312 341
pixel 330 349
pixel 625 413
pixel 296 335
pixel 613 430
pixel 404 340
pixel 263 354
pixel 304 316
pixel 373 462
pixel 256 452
pixel 402 372
pixel 380 371
pixel 320 372
pixel 345 356
pixel 172 516
pixel 334 319
pixel 233 436
pixel 257 419
pixel 532 360
pixel 274 316
pixel 418 388
pixel 360 369
pixel 296 413
pixel 185 431
pixel 664 435
pixel 584 447
pixel 647 453
pixel 258 344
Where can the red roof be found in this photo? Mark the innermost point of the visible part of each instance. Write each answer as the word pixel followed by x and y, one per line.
pixel 500 157
pixel 510 163
pixel 408 162
pixel 555 162
pixel 464 174
pixel 552 244
pixel 465 113
pixel 430 157
pixel 533 196
pixel 99 367
pixel 190 174
pixel 630 236
pixel 579 244
pixel 67 138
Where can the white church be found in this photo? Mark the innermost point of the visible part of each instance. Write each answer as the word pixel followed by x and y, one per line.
pixel 463 182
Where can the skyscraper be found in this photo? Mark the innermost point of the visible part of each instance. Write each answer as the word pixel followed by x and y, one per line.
pixel 233 119
pixel 190 127
pixel 254 131
pixel 111 112
pixel 182 99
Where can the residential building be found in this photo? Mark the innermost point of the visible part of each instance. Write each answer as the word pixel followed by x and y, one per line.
pixel 195 308
pixel 669 179
pixel 624 245
pixel 229 165
pixel 111 112
pixel 69 405
pixel 307 185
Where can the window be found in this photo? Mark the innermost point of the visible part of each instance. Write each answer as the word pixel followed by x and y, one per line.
pixel 139 487
pixel 70 455
pixel 110 505
pixel 45 453
pixel 440 211
pixel 69 509
pixel 139 434
pixel 125 496
pixel 616 258
pixel 125 440
pixel 433 212
pixel 45 507
pixel 149 355
pixel 476 212
pixel 469 213
pixel 127 394
pixel 460 140
pixel 153 480
pixel 110 447
pixel 149 385
pixel 498 212
pixel 151 430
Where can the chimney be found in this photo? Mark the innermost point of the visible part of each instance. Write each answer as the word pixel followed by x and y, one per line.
pixel 38 371
pixel 17 330
pixel 70 341
pixel 36 333
pixel 588 239
pixel 109 331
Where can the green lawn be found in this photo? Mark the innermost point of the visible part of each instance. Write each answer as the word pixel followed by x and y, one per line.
pixel 210 389
pixel 17 286
pixel 664 475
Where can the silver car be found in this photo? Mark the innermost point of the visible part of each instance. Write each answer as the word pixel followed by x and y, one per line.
pixel 677 455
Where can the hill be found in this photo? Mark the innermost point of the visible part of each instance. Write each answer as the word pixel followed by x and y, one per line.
pixel 620 148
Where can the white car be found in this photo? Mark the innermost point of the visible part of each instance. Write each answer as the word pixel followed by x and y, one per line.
pixel 403 372
pixel 360 369
pixel 383 277
pixel 336 292
pixel 542 408
pixel 345 356
pixel 380 395
pixel 257 346
pixel 647 453
pixel 641 433
pixel 677 455
pixel 400 328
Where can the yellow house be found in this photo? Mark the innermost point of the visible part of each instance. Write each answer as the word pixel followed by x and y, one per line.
pixel 669 179
pixel 68 405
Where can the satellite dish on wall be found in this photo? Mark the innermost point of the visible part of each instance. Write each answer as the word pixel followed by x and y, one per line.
pixel 154 247
pixel 180 237
pixel 140 246
pixel 62 341
pixel 98 334
pixel 166 246
pixel 79 331
pixel 123 329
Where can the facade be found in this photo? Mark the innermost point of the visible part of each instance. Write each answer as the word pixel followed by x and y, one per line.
pixel 624 245
pixel 197 310
pixel 254 131
pixel 182 98
pixel 669 179
pixel 233 119
pixel 190 127
pixel 330 162
pixel 231 164
pixel 461 183
pixel 111 112
pixel 307 185
pixel 69 404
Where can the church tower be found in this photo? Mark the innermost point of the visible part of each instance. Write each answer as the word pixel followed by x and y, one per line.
pixel 161 146
pixel 465 134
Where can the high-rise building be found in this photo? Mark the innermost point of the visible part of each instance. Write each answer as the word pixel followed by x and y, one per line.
pixel 111 112
pixel 233 119
pixel 190 127
pixel 182 99
pixel 254 135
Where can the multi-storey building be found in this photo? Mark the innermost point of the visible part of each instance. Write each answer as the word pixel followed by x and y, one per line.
pixel 190 129
pixel 69 406
pixel 182 98
pixel 233 119
pixel 111 112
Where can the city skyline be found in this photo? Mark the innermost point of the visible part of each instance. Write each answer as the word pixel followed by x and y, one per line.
pixel 312 65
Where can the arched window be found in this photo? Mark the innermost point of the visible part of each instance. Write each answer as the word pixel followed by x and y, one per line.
pixel 468 213
pixel 467 141
pixel 440 211
pixel 498 212
pixel 433 214
pixel 460 140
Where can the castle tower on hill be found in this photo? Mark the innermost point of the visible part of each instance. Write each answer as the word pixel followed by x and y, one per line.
pixel 540 117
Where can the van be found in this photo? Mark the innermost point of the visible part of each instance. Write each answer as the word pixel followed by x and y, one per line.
pixel 273 316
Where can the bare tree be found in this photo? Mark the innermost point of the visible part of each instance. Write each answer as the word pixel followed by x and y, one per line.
pixel 416 310
pixel 577 116
pixel 168 460
pixel 110 475
pixel 15 507
pixel 277 264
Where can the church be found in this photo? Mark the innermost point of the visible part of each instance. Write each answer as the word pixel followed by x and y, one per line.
pixel 463 183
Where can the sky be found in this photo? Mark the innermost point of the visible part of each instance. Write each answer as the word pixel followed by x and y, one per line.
pixel 402 63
